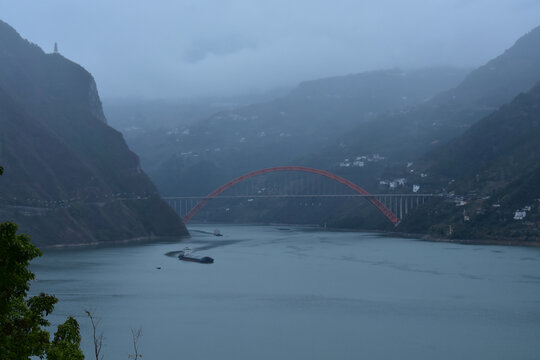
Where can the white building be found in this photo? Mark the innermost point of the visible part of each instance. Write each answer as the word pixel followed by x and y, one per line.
pixel 520 215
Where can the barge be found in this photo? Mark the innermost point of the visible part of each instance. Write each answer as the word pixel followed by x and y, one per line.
pixel 185 255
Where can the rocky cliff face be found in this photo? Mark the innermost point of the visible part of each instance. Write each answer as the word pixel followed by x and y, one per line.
pixel 70 178
pixel 95 103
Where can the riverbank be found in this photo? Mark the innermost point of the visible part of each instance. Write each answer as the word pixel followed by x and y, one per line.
pixel 430 238
pixel 419 236
pixel 137 240
pixel 483 242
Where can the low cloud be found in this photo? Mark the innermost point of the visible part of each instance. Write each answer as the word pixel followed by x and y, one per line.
pixel 213 47
pixel 199 49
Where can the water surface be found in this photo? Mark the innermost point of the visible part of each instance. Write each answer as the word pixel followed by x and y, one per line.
pixel 300 293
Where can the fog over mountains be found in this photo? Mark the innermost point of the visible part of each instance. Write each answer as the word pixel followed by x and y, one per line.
pixel 464 133
pixel 404 117
pixel 271 179
pixel 186 49
pixel 451 112
pixel 313 115
pixel 496 164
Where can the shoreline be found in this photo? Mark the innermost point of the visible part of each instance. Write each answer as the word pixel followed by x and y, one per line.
pixel 421 237
pixel 483 242
pixel 141 239
pixel 499 242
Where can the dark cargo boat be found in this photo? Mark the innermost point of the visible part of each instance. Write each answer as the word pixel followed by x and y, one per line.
pixel 217 233
pixel 186 255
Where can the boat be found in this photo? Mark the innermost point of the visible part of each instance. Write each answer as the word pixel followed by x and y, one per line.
pixel 186 255
pixel 217 233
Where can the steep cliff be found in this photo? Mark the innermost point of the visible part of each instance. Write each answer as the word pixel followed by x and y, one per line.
pixel 70 178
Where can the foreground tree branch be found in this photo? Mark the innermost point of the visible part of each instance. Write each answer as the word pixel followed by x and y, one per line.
pixel 135 337
pixel 96 334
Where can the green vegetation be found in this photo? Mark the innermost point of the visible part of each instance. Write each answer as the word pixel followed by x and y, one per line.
pixel 494 171
pixel 23 320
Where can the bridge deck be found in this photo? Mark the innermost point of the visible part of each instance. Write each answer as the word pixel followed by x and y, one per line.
pixel 299 196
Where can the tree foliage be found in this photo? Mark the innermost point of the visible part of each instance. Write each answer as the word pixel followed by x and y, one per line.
pixel 23 320
pixel 66 343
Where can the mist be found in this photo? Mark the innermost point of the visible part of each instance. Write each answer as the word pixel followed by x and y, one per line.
pixel 185 49
pixel 270 179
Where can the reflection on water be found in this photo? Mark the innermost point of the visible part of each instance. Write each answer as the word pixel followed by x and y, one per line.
pixel 300 293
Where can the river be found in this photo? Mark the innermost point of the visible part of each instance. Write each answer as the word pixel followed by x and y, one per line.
pixel 281 292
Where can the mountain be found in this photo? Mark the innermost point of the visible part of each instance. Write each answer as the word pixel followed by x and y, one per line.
pixel 497 147
pixel 201 156
pixel 494 170
pixel 136 117
pixel 69 177
pixel 403 136
pixel 409 143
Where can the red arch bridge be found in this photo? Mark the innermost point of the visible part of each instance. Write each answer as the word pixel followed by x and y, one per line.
pixel 394 206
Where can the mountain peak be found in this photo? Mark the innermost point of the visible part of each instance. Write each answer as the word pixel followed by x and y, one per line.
pixel 62 161
pixel 500 79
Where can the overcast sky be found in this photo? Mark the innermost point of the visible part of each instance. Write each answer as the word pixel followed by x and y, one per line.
pixel 180 48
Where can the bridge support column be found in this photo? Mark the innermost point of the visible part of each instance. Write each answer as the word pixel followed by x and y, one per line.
pixel 406 205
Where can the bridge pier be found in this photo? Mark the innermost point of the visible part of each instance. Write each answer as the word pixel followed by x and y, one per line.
pixel 406 205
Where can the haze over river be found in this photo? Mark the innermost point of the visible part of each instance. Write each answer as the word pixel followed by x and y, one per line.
pixel 300 293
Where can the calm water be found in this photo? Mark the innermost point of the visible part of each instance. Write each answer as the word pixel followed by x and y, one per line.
pixel 296 293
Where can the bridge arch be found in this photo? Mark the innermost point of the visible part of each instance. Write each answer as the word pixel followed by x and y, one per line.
pixel 372 199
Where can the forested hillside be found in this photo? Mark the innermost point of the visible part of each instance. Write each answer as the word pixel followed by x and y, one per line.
pixel 492 174
pixel 196 158
pixel 403 136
